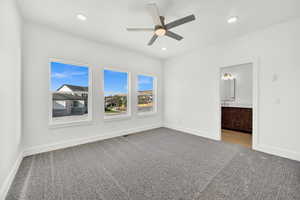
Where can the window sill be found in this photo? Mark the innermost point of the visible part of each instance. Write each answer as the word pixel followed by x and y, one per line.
pixel 54 125
pixel 116 117
pixel 146 114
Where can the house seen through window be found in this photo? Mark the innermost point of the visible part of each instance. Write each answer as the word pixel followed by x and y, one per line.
pixel 69 91
pixel 115 93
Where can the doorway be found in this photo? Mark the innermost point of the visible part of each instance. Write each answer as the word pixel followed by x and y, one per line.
pixel 238 103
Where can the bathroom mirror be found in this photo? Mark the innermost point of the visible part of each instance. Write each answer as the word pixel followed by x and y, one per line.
pixel 228 90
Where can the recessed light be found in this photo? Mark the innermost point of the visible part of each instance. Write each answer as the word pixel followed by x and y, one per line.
pixel 232 20
pixel 81 17
pixel 164 48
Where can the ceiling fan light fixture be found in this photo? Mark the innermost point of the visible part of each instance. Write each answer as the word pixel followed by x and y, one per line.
pixel 160 31
pixel 161 28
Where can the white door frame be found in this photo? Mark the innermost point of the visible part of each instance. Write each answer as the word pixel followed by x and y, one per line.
pixel 255 95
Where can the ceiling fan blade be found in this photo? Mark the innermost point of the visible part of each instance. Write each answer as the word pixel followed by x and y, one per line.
pixel 140 29
pixel 154 12
pixel 154 37
pixel 174 35
pixel 180 21
pixel 162 20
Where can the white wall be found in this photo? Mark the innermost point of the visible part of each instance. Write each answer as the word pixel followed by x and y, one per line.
pixel 243 84
pixel 10 90
pixel 192 83
pixel 41 43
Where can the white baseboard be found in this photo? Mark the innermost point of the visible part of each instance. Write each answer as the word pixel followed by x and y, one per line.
pixel 278 152
pixel 8 181
pixel 191 131
pixel 75 142
pixel 259 147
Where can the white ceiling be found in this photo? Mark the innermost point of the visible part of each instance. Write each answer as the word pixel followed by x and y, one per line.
pixel 108 19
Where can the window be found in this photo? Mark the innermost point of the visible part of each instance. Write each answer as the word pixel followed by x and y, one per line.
pixel 116 94
pixel 69 91
pixel 146 95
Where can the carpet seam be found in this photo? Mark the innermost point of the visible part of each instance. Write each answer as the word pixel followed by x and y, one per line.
pixel 114 179
pixel 101 192
pixel 218 172
pixel 161 150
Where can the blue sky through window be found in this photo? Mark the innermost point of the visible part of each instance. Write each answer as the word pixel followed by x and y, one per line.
pixel 145 83
pixel 68 74
pixel 115 82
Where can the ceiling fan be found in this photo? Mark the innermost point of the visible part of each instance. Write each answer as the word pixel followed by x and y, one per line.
pixel 160 28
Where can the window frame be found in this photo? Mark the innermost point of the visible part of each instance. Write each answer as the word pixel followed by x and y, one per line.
pixel 65 123
pixel 120 116
pixel 154 111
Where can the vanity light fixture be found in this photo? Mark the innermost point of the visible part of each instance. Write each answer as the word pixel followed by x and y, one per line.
pixel 227 76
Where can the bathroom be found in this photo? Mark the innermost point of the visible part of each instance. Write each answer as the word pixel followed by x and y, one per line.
pixel 236 92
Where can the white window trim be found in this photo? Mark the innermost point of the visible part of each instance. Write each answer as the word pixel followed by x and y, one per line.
pixel 121 116
pixel 154 111
pixel 66 123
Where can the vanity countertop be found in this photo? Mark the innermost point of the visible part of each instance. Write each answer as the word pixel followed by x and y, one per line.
pixel 236 106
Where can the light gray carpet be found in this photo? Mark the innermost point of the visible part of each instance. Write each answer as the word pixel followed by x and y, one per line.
pixel 159 164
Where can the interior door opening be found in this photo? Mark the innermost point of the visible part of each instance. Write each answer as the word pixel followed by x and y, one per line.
pixel 236 102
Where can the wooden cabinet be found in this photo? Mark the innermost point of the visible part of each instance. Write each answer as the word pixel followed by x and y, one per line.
pixel 239 119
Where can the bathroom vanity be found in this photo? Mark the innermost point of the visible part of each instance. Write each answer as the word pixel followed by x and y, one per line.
pixel 237 118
